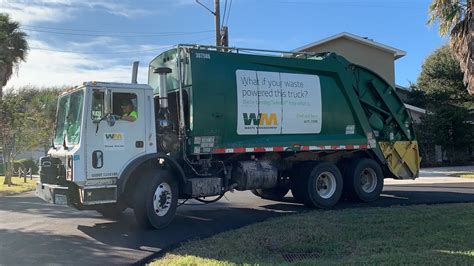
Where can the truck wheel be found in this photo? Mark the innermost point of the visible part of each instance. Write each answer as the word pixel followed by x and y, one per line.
pixel 156 199
pixel 112 211
pixel 318 185
pixel 364 180
pixel 255 192
pixel 276 193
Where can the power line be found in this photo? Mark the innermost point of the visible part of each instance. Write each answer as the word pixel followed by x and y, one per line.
pixel 225 11
pixel 352 4
pixel 208 9
pixel 228 13
pixel 118 35
pixel 118 52
pixel 106 31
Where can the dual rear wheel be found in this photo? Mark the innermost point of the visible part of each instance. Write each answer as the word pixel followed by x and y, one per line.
pixel 321 184
pixel 363 180
pixel 317 184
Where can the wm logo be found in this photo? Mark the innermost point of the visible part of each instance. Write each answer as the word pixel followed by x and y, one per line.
pixel 113 136
pixel 260 119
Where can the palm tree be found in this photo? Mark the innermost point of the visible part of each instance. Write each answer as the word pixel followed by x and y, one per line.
pixel 455 18
pixel 13 50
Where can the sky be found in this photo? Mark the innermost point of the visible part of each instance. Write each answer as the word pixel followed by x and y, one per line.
pixel 73 41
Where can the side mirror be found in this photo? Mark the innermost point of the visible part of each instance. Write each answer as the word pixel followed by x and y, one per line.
pixel 108 102
pixel 110 120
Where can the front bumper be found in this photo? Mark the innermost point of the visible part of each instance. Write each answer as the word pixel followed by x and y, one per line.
pixel 78 197
pixel 54 194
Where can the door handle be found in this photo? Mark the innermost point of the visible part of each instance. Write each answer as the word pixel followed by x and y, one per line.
pixel 97 159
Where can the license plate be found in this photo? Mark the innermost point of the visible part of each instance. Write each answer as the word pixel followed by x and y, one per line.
pixel 60 199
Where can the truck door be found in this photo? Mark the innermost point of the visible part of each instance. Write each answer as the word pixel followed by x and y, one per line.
pixel 110 148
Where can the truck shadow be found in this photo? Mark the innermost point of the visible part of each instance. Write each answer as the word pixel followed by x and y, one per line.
pixel 187 225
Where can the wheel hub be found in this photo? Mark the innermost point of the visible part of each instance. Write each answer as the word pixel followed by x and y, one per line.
pixel 326 185
pixel 162 199
pixel 368 180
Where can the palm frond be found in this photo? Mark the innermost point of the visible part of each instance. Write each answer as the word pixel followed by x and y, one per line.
pixel 447 13
pixel 13 47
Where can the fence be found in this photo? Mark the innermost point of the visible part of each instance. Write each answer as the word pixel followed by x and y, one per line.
pixel 22 172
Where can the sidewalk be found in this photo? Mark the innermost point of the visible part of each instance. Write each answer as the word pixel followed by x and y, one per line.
pixel 436 175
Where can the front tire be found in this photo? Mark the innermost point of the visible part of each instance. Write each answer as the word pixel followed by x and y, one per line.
pixel 156 199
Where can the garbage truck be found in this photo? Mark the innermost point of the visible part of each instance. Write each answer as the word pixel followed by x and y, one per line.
pixel 218 119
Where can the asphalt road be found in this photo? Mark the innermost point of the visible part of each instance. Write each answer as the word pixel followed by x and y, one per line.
pixel 34 232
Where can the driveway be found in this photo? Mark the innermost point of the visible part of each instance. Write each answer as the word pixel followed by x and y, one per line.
pixel 34 232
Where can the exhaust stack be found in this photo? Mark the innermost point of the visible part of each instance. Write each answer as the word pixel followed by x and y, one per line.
pixel 163 71
pixel 135 71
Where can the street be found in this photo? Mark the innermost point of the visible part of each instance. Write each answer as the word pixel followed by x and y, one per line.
pixel 34 232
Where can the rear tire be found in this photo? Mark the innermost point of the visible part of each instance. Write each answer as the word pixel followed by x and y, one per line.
pixel 276 193
pixel 156 199
pixel 318 184
pixel 364 180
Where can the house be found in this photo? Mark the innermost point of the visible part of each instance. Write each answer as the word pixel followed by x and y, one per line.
pixel 363 51
pixel 373 55
pixel 416 112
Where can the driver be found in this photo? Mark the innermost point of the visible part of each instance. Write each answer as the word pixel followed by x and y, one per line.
pixel 129 112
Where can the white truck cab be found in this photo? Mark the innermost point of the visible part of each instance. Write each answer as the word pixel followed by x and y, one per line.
pixel 90 149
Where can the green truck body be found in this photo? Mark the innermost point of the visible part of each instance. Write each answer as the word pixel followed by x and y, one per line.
pixel 346 106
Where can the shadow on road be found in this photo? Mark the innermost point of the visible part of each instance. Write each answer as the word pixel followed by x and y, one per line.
pixel 29 203
pixel 187 225
pixel 32 248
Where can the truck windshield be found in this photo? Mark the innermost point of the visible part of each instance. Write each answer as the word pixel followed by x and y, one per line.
pixel 69 116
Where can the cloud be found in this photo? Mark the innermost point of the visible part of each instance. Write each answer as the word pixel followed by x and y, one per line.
pixel 115 8
pixel 34 11
pixel 46 68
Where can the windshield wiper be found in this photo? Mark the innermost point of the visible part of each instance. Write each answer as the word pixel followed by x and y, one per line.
pixel 64 141
pixel 52 144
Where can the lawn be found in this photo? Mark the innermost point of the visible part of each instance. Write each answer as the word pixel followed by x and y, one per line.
pixel 17 187
pixel 422 234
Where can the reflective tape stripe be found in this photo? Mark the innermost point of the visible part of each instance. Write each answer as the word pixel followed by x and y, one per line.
pixel 281 148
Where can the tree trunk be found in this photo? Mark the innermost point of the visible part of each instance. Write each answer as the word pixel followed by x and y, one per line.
pixel 462 44
pixel 8 167
pixel 8 180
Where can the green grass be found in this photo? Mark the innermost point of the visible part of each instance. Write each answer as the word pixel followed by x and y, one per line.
pixel 17 187
pixel 463 175
pixel 433 234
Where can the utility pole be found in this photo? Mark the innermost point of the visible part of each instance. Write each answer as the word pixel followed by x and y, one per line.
pixel 222 36
pixel 217 16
